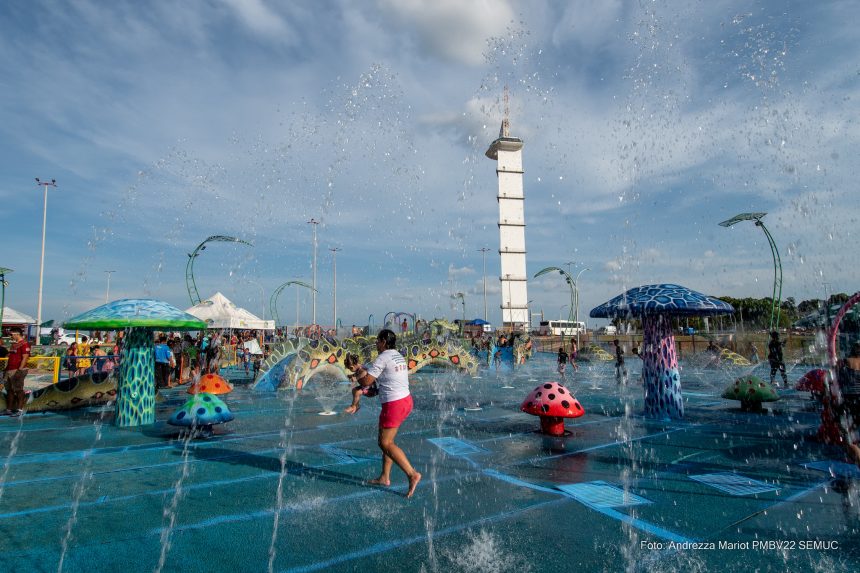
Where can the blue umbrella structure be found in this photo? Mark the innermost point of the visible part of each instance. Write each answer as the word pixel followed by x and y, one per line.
pixel 654 304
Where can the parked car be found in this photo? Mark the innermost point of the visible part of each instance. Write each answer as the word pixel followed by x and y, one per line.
pixel 67 338
pixel 608 329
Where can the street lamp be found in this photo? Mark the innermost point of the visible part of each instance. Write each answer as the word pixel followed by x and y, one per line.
pixel 777 263
pixel 107 290
pixel 334 288
pixel 314 222
pixel 3 285
pixel 273 300
pixel 561 308
pixel 262 296
pixel 45 184
pixel 190 283
pixel 576 296
pixel 462 298
pixel 483 251
pixel 570 283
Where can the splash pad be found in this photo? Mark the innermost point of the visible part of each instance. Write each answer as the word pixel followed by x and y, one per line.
pixel 490 481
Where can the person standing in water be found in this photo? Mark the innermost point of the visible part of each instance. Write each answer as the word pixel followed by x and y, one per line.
pixel 774 357
pixel 574 350
pixel 391 374
pixel 562 362
pixel 620 369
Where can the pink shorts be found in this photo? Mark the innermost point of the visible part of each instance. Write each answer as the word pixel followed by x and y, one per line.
pixel 395 413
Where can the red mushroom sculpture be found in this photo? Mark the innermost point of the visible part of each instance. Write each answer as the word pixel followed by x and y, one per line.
pixel 553 403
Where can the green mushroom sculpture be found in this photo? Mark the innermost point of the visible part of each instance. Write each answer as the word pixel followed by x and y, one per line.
pixel 201 412
pixel 135 403
pixel 751 391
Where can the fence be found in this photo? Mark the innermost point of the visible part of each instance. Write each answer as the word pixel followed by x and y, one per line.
pixel 44 364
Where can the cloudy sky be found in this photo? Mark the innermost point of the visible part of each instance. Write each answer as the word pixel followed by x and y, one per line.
pixel 645 124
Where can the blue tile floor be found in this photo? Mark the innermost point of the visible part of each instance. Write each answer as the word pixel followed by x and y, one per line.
pixel 282 489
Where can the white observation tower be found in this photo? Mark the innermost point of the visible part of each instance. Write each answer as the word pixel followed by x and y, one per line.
pixel 507 152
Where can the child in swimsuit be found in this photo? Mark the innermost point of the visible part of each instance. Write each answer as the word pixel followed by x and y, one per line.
pixel 358 371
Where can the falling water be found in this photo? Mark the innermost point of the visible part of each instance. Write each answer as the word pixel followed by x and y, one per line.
pixel 13 449
pixel 285 447
pixel 80 488
pixel 171 510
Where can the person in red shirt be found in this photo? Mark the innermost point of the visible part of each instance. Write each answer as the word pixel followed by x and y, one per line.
pixel 16 371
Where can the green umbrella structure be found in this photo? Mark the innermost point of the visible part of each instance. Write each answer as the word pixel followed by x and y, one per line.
pixel 135 404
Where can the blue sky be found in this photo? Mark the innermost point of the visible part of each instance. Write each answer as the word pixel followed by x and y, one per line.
pixel 645 124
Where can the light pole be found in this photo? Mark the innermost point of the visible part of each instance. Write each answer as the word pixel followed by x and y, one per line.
pixel 262 296
pixel 107 290
pixel 570 283
pixel 190 283
pixel 462 298
pixel 45 184
pixel 777 263
pixel 483 251
pixel 3 271
pixel 561 308
pixel 273 300
pixel 314 223
pixel 334 251
pixel 576 297
pixel 510 303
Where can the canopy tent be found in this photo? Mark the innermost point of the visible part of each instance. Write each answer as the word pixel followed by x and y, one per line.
pixel 218 312
pixel 12 316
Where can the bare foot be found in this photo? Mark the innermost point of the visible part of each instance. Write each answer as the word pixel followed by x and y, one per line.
pixel 379 481
pixel 413 483
pixel 352 409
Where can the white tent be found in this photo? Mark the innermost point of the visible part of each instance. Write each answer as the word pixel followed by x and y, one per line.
pixel 218 312
pixel 12 316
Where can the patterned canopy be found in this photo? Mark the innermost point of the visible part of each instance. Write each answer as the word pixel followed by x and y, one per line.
pixel 141 312
pixel 668 299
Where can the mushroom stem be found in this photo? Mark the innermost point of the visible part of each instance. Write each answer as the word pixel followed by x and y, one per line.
pixel 663 399
pixel 552 425
pixel 135 401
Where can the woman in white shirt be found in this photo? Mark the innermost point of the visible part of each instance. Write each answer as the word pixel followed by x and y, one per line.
pixel 391 374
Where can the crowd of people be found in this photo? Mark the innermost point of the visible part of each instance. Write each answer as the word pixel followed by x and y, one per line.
pixel 177 357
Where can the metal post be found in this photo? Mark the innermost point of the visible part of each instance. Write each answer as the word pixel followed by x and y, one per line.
pixel 45 184
pixel 3 271
pixel 314 222
pixel 777 263
pixel 190 283
pixel 334 289
pixel 483 251
pixel 576 296
pixel 107 290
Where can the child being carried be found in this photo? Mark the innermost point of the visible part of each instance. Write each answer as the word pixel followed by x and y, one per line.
pixel 358 371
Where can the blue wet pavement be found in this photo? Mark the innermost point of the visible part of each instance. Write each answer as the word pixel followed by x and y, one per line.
pixel 282 488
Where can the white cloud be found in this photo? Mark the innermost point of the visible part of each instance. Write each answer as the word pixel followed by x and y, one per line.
pixel 453 29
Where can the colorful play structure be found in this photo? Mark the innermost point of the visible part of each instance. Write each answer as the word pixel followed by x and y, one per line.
pixel 294 363
pixel 655 305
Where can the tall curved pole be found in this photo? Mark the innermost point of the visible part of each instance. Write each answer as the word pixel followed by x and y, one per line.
pixel 570 283
pixel 462 298
pixel 576 296
pixel 777 278
pixel 776 298
pixel 190 283
pixel 273 300
pixel 3 271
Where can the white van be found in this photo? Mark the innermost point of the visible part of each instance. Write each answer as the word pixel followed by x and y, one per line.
pixel 608 329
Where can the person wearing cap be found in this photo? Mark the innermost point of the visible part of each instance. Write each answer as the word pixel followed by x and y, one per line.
pixel 391 374
pixel 16 371
pixel 774 357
